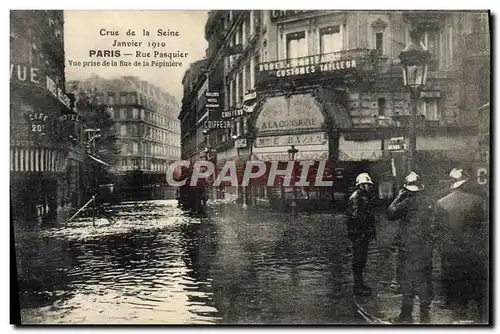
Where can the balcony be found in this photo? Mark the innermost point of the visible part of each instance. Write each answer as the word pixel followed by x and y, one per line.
pixel 341 65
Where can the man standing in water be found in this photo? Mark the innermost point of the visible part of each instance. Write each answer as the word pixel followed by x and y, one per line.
pixel 361 229
pixel 416 212
pixel 463 246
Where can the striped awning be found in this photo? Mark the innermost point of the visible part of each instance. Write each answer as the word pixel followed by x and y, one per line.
pixel 33 159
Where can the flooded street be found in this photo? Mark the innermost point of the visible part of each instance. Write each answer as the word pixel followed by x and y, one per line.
pixel 159 265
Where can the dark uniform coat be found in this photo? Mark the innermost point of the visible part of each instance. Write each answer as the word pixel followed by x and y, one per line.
pixel 416 212
pixel 461 224
pixel 463 245
pixel 361 219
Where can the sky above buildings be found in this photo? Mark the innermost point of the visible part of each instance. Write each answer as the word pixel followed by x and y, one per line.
pixel 82 33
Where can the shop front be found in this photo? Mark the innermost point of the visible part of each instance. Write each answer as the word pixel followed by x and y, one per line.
pixel 283 125
pixel 39 144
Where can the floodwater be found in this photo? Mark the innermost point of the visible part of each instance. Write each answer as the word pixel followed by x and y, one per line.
pixel 158 265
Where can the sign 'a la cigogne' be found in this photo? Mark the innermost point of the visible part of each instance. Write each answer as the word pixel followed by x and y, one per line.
pixel 308 65
pixel 290 124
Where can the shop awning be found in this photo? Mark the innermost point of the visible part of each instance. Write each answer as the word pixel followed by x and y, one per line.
pixel 98 160
pixel 338 114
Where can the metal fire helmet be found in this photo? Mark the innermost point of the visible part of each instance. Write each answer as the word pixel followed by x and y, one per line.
pixel 458 177
pixel 363 178
pixel 413 182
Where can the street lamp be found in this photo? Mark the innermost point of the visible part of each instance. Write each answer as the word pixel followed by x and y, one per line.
pixel 414 59
pixel 292 151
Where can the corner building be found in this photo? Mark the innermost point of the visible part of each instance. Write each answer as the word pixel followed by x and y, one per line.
pixel 147 130
pixel 330 82
pixel 234 41
pixel 45 133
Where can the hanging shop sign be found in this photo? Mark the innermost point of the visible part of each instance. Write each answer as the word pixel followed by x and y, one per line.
pixel 212 100
pixel 249 96
pixel 233 113
pixel 212 107
pixel 240 143
pixel 37 122
pixel 70 117
pixel 29 75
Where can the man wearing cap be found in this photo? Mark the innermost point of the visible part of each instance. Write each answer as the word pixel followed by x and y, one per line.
pixel 361 229
pixel 415 211
pixel 463 238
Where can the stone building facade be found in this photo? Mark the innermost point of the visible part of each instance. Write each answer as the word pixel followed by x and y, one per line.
pixel 146 126
pixel 331 83
pixel 46 148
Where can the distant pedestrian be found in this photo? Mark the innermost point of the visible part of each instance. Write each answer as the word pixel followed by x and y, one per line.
pixel 361 229
pixel 104 195
pixel 416 213
pixel 463 248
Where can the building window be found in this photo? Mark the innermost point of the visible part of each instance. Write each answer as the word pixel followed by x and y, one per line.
pixel 248 78
pixel 123 99
pixel 429 108
pixel 132 98
pixel 240 88
pixel 135 113
pixel 111 99
pixel 330 39
pixel 432 42
pixel 247 28
pixel 143 112
pixel 123 113
pixel 135 130
pixel 233 93
pixel 381 106
pixel 100 97
pixel 240 35
pixel 135 147
pixel 123 130
pixel 111 112
pixel 296 45
pixel 379 43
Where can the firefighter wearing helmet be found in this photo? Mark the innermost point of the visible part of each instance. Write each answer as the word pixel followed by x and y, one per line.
pixel 361 229
pixel 415 212
pixel 462 241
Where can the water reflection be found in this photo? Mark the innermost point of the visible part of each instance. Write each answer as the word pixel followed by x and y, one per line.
pixel 133 274
pixel 158 265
